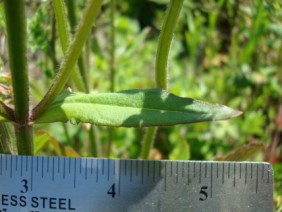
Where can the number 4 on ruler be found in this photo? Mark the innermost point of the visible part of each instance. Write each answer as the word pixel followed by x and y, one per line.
pixel 112 190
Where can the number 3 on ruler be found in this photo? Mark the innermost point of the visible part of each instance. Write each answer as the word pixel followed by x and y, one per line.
pixel 25 187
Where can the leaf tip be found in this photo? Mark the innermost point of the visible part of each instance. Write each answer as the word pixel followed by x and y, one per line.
pixel 236 113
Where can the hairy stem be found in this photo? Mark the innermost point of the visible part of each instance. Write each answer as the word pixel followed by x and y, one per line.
pixel 164 43
pixel 165 40
pixel 81 64
pixel 24 133
pixel 62 24
pixel 16 33
pixel 70 59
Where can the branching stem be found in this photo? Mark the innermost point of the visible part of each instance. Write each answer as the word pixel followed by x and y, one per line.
pixel 70 59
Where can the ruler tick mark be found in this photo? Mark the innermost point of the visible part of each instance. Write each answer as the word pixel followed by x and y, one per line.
pixel 125 167
pixel 240 170
pixel 91 166
pixel 257 180
pixel 216 170
pixel 142 169
pixel 64 168
pixel 70 166
pixel 37 158
pixel 154 164
pixel 80 167
pixel 6 163
pixel 194 169
pixel 11 167
pixel 47 164
pixel 246 173
pixel 268 168
pixel 42 165
pixel 130 170
pixel 251 171
pixel 119 176
pixel 31 175
pixel 17 163
pixel 200 172
pixel 160 169
pixel 176 178
pixel 26 164
pixel 1 164
pixel 148 169
pixel 21 166
pixel 206 169
pixel 182 169
pixel 234 174
pixel 103 166
pixel 86 168
pixel 58 170
pixel 114 169
pixel 170 168
pixel 109 165
pixel 165 176
pixel 223 173
pixel 74 176
pixel 136 168
pixel 211 179
pixel 262 171
pixel 188 174
pixel 228 170
pixel 53 169
pixel 97 171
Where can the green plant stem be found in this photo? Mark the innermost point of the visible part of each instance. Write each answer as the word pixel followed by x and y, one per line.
pixel 164 43
pixel 62 23
pixel 112 60
pixel 24 133
pixel 93 141
pixel 148 142
pixel 71 14
pixel 81 63
pixel 74 50
pixel 16 33
pixel 112 67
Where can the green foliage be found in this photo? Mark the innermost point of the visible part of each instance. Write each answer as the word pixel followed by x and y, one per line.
pixel 133 108
pixel 227 52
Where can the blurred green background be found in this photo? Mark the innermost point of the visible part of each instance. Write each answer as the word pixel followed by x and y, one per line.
pixel 226 52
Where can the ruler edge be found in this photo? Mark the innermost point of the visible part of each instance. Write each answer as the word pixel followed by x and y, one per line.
pixel 118 160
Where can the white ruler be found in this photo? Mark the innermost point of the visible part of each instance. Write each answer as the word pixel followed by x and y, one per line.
pixel 33 184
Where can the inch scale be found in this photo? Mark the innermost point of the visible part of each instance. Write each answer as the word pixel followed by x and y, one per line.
pixel 35 184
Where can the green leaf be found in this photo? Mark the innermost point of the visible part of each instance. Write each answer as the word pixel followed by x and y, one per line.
pixel 243 153
pixel 181 151
pixel 43 137
pixel 40 140
pixel 133 108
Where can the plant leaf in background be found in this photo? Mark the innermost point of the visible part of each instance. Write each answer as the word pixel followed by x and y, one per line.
pixel 133 108
pixel 43 138
pixel 242 153
pixel 181 151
